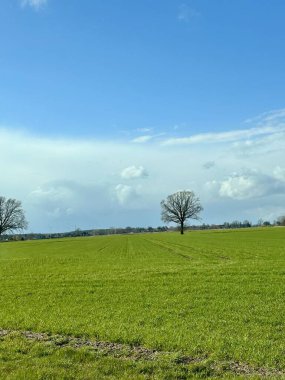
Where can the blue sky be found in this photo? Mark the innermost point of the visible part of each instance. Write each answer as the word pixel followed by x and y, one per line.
pixel 183 94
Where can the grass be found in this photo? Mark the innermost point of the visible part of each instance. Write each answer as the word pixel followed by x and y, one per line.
pixel 214 296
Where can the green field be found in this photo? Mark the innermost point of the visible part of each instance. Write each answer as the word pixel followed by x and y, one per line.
pixel 163 306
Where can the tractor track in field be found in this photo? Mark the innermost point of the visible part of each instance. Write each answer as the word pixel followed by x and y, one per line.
pixel 169 249
pixel 175 248
pixel 134 352
pixel 103 248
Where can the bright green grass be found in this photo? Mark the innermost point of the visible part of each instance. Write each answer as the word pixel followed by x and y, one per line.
pixel 216 294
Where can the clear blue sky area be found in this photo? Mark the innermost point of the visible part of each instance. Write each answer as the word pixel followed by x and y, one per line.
pixel 99 68
pixel 124 102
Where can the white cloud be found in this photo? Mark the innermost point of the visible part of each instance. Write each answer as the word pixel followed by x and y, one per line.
pixel 250 184
pixel 54 192
pixel 279 173
pixel 133 172
pixel 63 182
pixel 35 4
pixel 68 202
pixel 142 139
pixel 241 187
pixel 125 193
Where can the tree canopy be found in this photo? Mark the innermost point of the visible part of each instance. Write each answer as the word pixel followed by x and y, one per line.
pixel 179 207
pixel 12 216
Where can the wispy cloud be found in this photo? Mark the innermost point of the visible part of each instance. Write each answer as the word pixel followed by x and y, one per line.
pixel 275 117
pixel 35 4
pixel 179 126
pixel 221 137
pixel 264 127
pixel 186 13
pixel 144 129
pixel 142 139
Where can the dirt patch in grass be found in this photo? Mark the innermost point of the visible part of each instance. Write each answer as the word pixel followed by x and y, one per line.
pixel 112 348
pixel 133 352
pixel 246 369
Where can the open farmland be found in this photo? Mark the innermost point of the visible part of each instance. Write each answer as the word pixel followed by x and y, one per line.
pixel 203 305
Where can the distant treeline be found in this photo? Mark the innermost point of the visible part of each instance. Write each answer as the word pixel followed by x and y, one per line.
pixel 135 230
pixel 78 232
pixel 239 224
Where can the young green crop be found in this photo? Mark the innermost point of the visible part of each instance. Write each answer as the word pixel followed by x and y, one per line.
pixel 216 296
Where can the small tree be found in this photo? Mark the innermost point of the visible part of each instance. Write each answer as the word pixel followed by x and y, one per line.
pixel 12 216
pixel 179 207
pixel 281 220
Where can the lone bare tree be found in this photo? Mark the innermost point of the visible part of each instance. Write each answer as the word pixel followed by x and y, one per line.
pixel 179 207
pixel 12 216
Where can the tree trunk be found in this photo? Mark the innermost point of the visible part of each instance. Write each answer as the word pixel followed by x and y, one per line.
pixel 182 228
